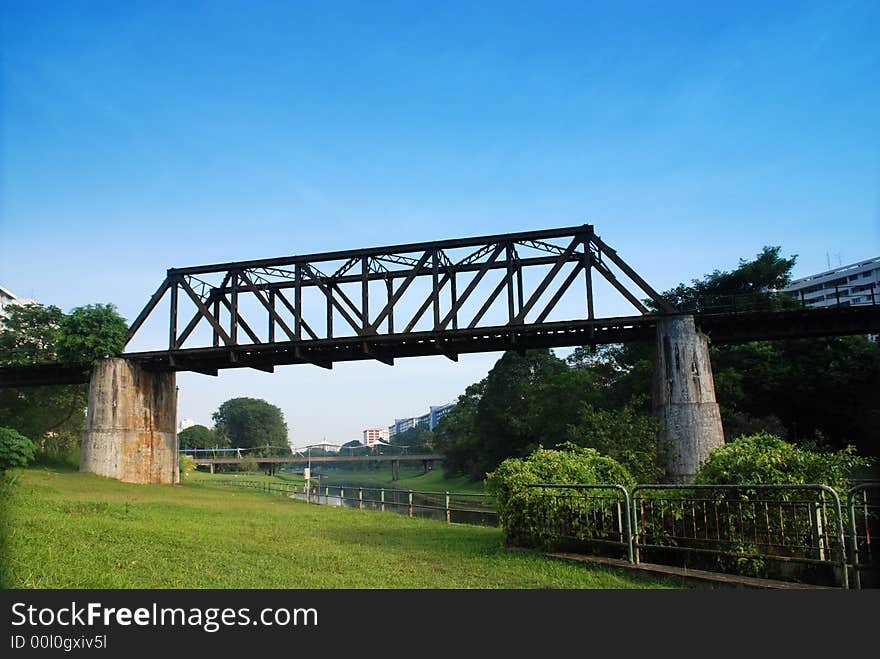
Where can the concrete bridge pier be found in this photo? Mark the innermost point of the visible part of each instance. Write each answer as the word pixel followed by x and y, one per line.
pixel 131 427
pixel 684 398
pixel 427 465
pixel 395 470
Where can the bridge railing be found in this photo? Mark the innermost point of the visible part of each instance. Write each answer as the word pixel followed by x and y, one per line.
pixel 840 296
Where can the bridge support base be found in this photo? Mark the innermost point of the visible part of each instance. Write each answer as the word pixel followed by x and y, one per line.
pixel 684 400
pixel 395 470
pixel 131 429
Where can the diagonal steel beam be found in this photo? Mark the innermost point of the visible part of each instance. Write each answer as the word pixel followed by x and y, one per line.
pixel 147 310
pixel 400 291
pixel 204 310
pixel 602 269
pixel 489 300
pixel 658 299
pixel 290 308
pixel 328 293
pixel 561 261
pixel 249 285
pixel 558 295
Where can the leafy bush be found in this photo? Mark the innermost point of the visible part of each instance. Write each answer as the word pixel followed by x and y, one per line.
pixel 16 450
pixel 523 512
pixel 765 458
pixel 186 465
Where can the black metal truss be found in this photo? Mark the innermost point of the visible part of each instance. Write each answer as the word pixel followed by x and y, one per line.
pixel 294 336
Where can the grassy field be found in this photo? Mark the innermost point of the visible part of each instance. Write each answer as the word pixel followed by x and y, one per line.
pixel 63 529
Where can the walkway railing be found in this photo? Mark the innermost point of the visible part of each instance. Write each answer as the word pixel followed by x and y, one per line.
pixel 863 510
pixel 451 507
pixel 840 296
pixel 788 532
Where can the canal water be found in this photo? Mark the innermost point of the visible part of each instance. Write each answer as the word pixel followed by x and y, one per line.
pixel 462 508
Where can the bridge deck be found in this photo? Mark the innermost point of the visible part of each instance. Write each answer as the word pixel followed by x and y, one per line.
pixel 721 327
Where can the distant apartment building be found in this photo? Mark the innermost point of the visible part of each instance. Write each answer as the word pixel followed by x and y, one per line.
pixel 7 298
pixel 850 285
pixel 183 424
pixel 435 413
pixel 372 436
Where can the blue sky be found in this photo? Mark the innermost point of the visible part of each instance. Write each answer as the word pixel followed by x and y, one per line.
pixel 140 136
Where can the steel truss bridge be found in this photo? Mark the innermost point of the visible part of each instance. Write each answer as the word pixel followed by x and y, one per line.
pixel 450 297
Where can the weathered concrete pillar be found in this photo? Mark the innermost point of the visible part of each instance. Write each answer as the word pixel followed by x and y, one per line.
pixel 395 470
pixel 131 428
pixel 684 398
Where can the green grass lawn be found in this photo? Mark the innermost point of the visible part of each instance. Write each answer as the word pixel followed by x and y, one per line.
pixel 64 529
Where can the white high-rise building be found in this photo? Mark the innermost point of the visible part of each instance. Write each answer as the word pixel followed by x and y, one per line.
pixel 7 298
pixel 851 285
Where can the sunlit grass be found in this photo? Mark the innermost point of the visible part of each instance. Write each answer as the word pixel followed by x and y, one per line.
pixel 63 529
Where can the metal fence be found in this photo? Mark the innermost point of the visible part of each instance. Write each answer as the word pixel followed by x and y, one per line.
pixel 779 531
pixel 451 507
pixel 579 516
pixel 863 510
pixel 787 532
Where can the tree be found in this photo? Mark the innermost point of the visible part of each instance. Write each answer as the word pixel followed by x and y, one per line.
pixel 765 273
pixel 53 415
pixel 16 450
pixel 91 333
pixel 249 423
pixel 196 437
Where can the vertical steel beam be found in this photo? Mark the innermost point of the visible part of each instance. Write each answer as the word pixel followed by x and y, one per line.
pixel 172 330
pixel 272 316
pixel 389 286
pixel 233 311
pixel 510 271
pixel 329 293
pixel 435 292
pixel 297 301
pixel 453 298
pixel 365 294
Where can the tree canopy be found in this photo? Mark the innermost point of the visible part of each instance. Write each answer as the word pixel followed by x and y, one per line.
pixel 54 416
pixel 196 437
pixel 249 423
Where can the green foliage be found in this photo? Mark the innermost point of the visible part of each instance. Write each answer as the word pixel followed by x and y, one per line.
pixel 766 272
pixel 420 437
pixel 29 334
pixel 628 435
pixel 249 423
pixel 16 450
pixel 186 465
pixel 53 415
pixel 523 511
pixel 196 436
pixel 91 333
pixel 765 458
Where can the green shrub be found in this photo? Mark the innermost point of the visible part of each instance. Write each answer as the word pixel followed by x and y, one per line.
pixel 186 465
pixel 527 514
pixel 765 458
pixel 16 450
